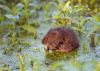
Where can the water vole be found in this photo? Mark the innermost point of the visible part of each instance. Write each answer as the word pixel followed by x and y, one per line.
pixel 61 39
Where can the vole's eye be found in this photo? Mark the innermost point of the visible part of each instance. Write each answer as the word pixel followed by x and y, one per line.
pixel 60 42
pixel 46 39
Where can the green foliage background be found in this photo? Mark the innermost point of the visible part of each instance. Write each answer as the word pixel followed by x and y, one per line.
pixel 22 17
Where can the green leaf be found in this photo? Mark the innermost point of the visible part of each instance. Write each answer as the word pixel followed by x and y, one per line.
pixel 66 6
pixel 97 28
pixel 36 66
pixel 29 28
pixel 97 18
pixel 4 7
pixel 98 40
pixel 98 66
pixel 76 64
pixel 79 30
pixel 55 65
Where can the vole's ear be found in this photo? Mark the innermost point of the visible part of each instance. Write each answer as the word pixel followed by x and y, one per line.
pixel 55 33
pixel 51 29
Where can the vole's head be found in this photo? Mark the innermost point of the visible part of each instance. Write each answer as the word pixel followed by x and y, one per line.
pixel 52 39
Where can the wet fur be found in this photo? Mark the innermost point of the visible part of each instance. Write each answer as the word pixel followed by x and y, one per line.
pixel 61 39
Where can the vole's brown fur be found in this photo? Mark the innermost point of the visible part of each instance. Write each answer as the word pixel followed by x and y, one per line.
pixel 61 39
